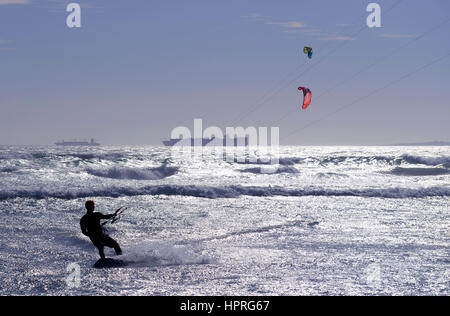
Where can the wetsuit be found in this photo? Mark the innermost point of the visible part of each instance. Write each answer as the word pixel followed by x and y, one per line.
pixel 91 227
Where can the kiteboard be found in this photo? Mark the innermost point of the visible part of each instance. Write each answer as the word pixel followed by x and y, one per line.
pixel 109 263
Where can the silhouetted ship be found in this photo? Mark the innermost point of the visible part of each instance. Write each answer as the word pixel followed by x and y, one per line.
pixel 187 142
pixel 171 142
pixel 207 141
pixel 77 143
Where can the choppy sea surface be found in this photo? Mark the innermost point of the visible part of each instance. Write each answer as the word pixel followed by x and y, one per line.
pixel 324 221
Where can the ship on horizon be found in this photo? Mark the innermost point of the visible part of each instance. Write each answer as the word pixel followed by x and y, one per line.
pixel 77 143
pixel 236 142
pixel 190 141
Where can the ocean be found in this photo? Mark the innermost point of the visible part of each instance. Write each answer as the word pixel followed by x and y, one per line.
pixel 324 221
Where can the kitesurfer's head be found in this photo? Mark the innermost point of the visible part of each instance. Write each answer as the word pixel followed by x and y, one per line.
pixel 90 206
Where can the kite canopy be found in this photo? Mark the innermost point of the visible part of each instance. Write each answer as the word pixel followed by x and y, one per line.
pixel 306 97
pixel 308 51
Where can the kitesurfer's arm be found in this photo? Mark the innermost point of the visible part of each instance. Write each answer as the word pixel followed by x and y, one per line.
pixel 83 228
pixel 110 215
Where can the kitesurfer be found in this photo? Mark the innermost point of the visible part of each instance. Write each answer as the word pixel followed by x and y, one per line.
pixel 91 227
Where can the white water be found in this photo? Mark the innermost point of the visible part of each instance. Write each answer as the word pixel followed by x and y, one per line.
pixel 329 220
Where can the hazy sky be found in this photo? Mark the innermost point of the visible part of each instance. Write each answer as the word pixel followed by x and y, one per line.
pixel 138 68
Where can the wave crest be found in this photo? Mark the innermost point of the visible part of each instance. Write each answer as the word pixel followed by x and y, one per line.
pixel 420 171
pixel 428 161
pixel 215 192
pixel 129 173
pixel 279 170
pixel 8 169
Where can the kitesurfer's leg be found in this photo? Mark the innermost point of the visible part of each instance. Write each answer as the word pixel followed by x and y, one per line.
pixel 97 241
pixel 111 243
pixel 101 252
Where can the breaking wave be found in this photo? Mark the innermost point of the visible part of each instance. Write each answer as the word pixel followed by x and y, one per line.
pixel 337 160
pixel 428 161
pixel 215 192
pixel 128 173
pixel 420 171
pixel 99 156
pixel 443 160
pixel 258 170
pixel 391 160
pixel 290 161
pixel 331 175
pixel 9 169
pixel 287 161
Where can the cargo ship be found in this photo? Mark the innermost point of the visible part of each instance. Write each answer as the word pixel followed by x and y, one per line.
pixel 235 142
pixel 77 143
pixel 189 142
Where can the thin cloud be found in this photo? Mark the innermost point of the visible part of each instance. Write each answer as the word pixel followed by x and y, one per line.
pixel 291 24
pixel 5 2
pixel 258 17
pixel 396 35
pixel 339 38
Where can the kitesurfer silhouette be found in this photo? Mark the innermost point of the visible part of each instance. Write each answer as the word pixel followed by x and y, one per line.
pixel 91 227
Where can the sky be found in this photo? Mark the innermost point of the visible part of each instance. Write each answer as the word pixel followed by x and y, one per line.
pixel 136 69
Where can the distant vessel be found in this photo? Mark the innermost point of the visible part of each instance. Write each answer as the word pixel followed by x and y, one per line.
pixel 171 142
pixel 188 142
pixel 77 143
pixel 235 142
